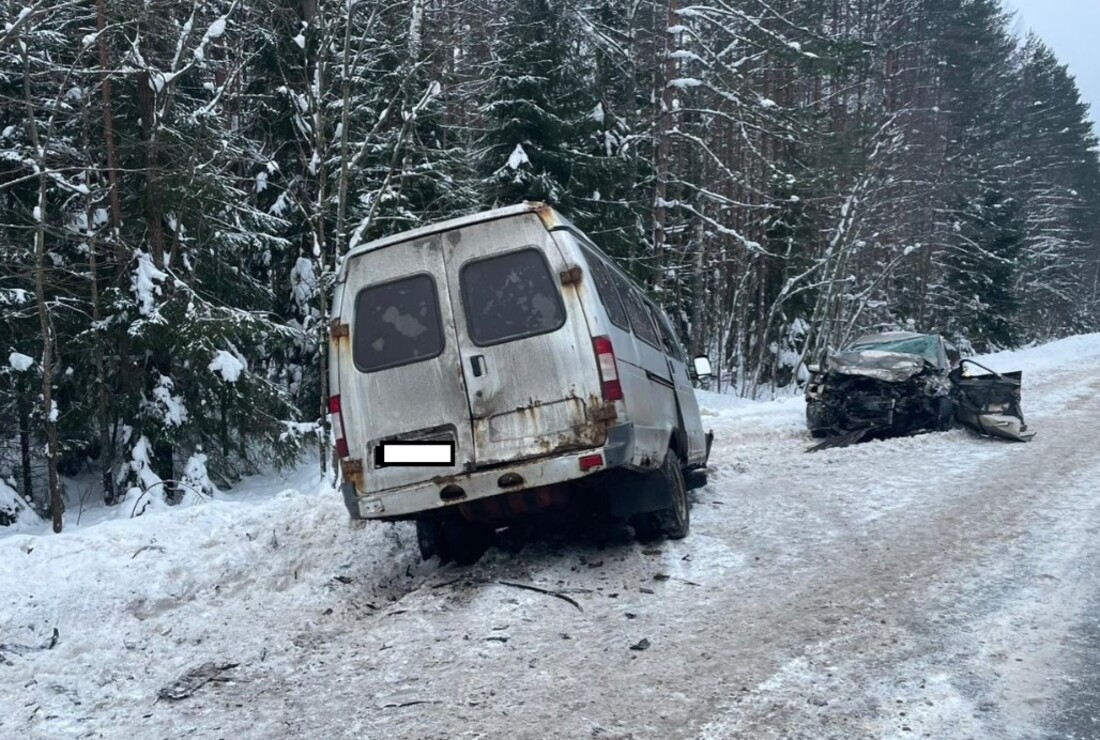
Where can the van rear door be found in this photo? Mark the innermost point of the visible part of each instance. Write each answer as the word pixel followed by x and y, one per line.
pixel 400 380
pixel 529 367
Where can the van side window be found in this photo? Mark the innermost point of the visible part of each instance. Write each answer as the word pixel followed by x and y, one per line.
pixel 605 290
pixel 639 314
pixel 668 336
pixel 510 296
pixel 396 323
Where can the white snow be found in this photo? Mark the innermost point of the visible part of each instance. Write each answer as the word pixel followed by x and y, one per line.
pixel 226 365
pixel 168 407
pixel 195 481
pixel 144 284
pixel 303 283
pixel 517 158
pixel 217 28
pixel 15 511
pixel 19 362
pixel 931 586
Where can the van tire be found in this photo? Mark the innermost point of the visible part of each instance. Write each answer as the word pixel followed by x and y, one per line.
pixel 465 542
pixel 673 522
pixel 429 535
pixel 452 539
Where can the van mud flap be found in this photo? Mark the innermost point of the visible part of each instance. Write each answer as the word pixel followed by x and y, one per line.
pixel 990 404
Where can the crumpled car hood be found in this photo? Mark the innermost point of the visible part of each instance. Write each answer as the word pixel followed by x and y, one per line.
pixel 890 367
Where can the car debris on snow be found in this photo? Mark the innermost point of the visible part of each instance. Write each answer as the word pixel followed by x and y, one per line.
pixel 194 679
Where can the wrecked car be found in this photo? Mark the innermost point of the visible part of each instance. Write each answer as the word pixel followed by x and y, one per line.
pixel 900 383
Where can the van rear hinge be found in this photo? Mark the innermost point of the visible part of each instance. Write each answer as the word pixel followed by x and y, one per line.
pixel 337 329
pixel 572 275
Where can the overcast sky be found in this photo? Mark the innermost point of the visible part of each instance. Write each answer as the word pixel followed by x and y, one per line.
pixel 1070 28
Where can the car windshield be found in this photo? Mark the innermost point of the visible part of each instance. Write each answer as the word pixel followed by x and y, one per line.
pixel 925 346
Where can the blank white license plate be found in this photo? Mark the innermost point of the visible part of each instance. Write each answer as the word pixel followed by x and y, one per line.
pixel 389 454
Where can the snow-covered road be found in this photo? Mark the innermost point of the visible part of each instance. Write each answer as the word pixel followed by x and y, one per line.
pixel 941 586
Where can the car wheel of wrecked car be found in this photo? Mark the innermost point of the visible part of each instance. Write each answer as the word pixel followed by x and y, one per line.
pixel 815 420
pixel 945 414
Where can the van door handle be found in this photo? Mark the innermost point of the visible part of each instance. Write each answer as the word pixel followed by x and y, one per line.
pixel 477 363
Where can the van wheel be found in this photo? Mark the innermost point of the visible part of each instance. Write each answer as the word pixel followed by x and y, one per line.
pixel 429 535
pixel 464 542
pixel 452 539
pixel 674 521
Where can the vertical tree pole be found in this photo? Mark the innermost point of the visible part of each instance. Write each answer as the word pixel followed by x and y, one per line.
pixel 114 223
pixel 665 67
pixel 49 416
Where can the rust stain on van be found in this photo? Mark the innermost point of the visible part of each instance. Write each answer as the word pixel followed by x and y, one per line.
pixel 353 473
pixel 546 215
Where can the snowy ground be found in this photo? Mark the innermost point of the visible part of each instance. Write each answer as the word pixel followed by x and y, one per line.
pixel 941 586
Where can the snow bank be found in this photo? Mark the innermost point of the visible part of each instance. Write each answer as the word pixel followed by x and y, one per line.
pixel 1062 353
pixel 15 514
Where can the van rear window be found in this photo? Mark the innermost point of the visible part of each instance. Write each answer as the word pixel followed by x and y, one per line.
pixel 396 324
pixel 510 296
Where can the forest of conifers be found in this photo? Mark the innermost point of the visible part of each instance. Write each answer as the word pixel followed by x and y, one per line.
pixel 180 178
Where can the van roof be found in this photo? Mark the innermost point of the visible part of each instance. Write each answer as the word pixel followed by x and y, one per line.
pixel 549 216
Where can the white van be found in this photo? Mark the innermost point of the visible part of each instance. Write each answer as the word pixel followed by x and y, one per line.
pixel 499 365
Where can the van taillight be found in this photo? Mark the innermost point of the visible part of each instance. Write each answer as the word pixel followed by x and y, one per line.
pixel 609 371
pixel 337 421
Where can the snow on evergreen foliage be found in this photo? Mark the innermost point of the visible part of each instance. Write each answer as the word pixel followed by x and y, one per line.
pixel 227 366
pixel 20 362
pixel 145 491
pixel 146 284
pixel 15 512
pixel 195 481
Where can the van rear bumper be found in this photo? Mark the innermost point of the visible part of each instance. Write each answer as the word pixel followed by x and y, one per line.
pixel 410 502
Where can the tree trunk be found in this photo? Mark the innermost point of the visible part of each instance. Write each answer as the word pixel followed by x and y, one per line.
pixel 45 325
pixel 161 361
pixel 25 445
pixel 108 116
pixel 665 67
pixel 106 451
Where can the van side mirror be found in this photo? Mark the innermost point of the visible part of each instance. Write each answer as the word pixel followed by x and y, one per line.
pixel 701 364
